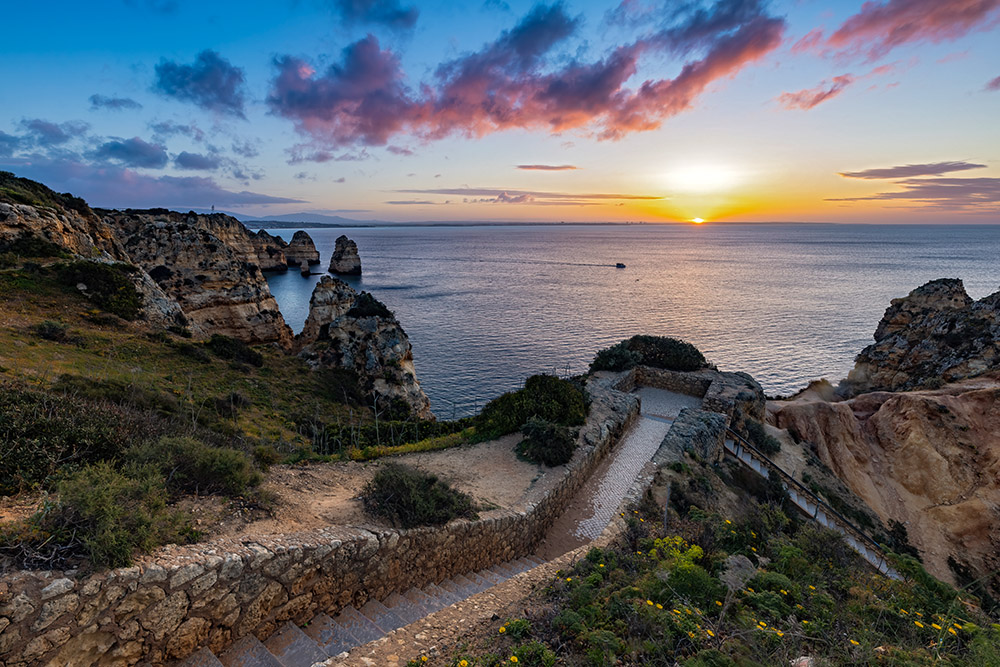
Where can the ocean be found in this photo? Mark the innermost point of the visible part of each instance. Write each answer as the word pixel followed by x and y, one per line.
pixel 487 306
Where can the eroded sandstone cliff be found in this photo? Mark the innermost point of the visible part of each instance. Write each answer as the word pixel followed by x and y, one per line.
pixel 301 249
pixel 208 264
pixel 347 329
pixel 928 459
pixel 345 259
pixel 934 335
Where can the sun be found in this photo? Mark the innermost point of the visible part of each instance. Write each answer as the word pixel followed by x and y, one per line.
pixel 697 221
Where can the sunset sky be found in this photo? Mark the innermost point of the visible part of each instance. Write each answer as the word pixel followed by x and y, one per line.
pixel 840 111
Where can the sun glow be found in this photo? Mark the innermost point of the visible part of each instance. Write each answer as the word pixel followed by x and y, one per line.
pixel 702 178
pixel 698 221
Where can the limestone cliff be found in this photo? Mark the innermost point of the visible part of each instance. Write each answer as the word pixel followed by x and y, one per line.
pixel 270 251
pixel 80 232
pixel 208 264
pixel 301 249
pixel 355 331
pixel 936 334
pixel 345 259
pixel 928 459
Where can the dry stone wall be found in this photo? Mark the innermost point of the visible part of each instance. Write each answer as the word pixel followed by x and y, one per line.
pixel 211 594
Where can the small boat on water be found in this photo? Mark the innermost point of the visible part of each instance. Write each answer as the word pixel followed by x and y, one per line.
pixel 619 265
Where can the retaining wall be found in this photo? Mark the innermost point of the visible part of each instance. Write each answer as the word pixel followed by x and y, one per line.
pixel 211 594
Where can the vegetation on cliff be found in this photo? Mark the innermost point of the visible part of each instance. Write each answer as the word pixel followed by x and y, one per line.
pixel 543 397
pixel 25 191
pixel 656 351
pixel 749 586
pixel 409 498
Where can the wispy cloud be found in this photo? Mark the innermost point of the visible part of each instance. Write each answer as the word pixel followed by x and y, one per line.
pixel 912 170
pixel 390 13
pixel 537 197
pixel 133 152
pixel 993 84
pixel 212 83
pixel 113 103
pixel 810 97
pixel 547 167
pixel 517 82
pixel 45 133
pixel 879 27
pixel 197 161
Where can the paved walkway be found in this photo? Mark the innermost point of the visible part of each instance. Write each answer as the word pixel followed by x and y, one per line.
pixel 589 513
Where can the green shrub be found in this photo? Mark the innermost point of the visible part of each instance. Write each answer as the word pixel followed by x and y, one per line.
pixel 408 497
pixel 367 305
pixel 29 245
pixel 117 392
pixel 759 438
pixel 618 357
pixel 108 286
pixel 544 397
pixel 112 514
pixel 232 349
pixel 53 331
pixel 26 191
pixel 546 443
pixel 656 351
pixel 41 433
pixel 191 466
pixel 534 654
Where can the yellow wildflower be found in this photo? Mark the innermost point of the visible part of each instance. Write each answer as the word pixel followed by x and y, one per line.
pixel 601 565
pixel 751 590
pixel 952 631
pixel 464 663
pixel 811 587
pixel 649 602
pixel 710 633
pixel 676 611
pixel 753 549
pixel 918 614
pixel 513 659
pixel 643 520
pixel 855 643
pixel 718 603
pixel 423 658
pixel 690 634
pixel 729 522
pixel 783 591
pixel 568 579
pixel 762 624
pixel 503 629
pixel 903 611
pixel 805 622
pixel 918 624
pixel 780 633
pixel 935 626
pixel 659 606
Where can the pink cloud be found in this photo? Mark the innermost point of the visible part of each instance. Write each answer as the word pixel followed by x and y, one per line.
pixel 811 97
pixel 882 26
pixel 508 84
pixel 993 84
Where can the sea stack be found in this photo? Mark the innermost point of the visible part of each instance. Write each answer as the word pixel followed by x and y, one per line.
pixel 301 249
pixel 345 260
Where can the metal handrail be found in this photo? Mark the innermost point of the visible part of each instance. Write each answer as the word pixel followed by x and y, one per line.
pixel 819 502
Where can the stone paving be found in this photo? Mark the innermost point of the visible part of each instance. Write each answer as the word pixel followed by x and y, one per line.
pixel 633 452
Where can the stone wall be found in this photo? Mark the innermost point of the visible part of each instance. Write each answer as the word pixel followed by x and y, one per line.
pixel 698 431
pixel 211 594
pixel 736 395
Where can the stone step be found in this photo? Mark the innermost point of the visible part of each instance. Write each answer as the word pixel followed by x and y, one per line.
pixel 360 627
pixel 505 569
pixel 202 658
pixel 426 602
pixel 330 636
pixel 405 609
pixel 447 597
pixel 480 583
pixel 491 576
pixel 381 616
pixel 293 648
pixel 465 585
pixel 248 652
pixel 453 588
pixel 534 559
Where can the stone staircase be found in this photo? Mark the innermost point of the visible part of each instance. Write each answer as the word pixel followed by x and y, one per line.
pixel 325 637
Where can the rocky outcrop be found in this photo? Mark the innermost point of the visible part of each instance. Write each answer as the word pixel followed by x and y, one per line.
pixel 301 249
pixel 347 329
pixel 270 251
pixel 927 459
pixel 345 260
pixel 208 265
pixel 83 234
pixel 937 334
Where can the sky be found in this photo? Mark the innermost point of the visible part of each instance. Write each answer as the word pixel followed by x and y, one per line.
pixel 500 110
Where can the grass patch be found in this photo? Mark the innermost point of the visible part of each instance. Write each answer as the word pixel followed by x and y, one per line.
pixel 367 305
pixel 107 285
pixel 25 191
pixel 426 445
pixel 232 349
pixel 408 498
pixel 759 437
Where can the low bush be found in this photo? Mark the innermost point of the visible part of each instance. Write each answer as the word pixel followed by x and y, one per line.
pixel 8 260
pixel 25 191
pixel 656 351
pixel 547 443
pixel 42 433
pixel 759 437
pixel 232 349
pixel 190 466
pixel 618 357
pixel 408 498
pixel 367 305
pixel 115 391
pixel 543 397
pixel 108 286
pixel 29 245
pixel 109 515
pixel 53 331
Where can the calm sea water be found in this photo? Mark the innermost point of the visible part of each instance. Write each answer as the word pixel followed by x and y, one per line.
pixel 485 307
